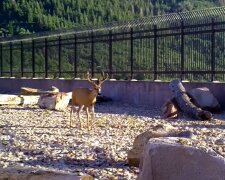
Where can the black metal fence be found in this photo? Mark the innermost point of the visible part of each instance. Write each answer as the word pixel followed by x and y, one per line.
pixel 186 46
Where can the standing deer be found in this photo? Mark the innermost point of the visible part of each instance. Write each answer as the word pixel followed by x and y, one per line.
pixel 86 98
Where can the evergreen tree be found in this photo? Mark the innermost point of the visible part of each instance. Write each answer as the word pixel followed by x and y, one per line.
pixel 86 12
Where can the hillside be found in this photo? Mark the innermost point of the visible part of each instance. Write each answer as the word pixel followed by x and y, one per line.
pixel 30 16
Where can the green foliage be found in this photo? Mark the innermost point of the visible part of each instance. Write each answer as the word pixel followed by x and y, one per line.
pixel 34 16
pixel 19 17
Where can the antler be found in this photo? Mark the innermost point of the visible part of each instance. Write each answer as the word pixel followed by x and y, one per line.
pixel 104 77
pixel 89 79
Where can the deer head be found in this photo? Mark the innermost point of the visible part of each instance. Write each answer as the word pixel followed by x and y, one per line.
pixel 97 85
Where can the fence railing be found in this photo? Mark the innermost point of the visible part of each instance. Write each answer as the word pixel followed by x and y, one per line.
pixel 187 46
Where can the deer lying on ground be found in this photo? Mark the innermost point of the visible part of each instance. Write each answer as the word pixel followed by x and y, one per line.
pixel 86 98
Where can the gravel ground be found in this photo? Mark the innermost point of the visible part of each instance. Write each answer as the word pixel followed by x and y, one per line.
pixel 35 137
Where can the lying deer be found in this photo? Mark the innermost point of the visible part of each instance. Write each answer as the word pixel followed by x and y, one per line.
pixel 86 98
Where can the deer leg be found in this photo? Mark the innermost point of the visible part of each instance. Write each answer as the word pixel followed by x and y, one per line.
pixel 92 113
pixel 88 122
pixel 78 112
pixel 71 115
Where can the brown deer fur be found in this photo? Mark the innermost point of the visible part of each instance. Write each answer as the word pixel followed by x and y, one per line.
pixel 86 98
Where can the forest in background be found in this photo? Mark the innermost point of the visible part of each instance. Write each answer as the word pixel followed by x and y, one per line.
pixel 31 16
pixel 19 17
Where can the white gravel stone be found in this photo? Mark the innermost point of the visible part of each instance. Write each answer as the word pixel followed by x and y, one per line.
pixel 43 138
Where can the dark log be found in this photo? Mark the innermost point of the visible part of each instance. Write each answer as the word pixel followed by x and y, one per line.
pixel 170 109
pixel 185 104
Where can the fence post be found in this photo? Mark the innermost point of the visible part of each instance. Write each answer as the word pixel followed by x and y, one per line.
pixel 46 58
pixel 21 58
pixel 213 51
pixel 110 55
pixel 131 54
pixel 182 48
pixel 11 60
pixel 75 56
pixel 92 54
pixel 1 60
pixel 155 53
pixel 59 56
pixel 33 58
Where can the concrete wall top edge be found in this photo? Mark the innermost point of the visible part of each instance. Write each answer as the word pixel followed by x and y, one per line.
pixel 127 81
pixel 133 92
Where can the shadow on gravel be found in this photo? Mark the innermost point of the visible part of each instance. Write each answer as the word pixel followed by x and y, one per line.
pixel 36 127
pixel 103 160
pixel 127 109
pixel 209 126
pixel 110 108
pixel 18 107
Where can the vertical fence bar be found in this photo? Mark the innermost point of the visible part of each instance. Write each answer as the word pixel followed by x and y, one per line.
pixel 92 54
pixel 33 58
pixel 213 51
pixel 182 49
pixel 11 60
pixel 156 68
pixel 155 53
pixel 21 58
pixel 110 55
pixel 1 60
pixel 59 56
pixel 46 58
pixel 75 56
pixel 131 53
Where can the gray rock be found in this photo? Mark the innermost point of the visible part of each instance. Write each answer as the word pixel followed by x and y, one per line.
pixel 135 154
pixel 203 98
pixel 220 142
pixel 175 158
pixel 58 101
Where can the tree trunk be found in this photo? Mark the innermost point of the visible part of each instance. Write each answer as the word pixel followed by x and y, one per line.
pixel 18 99
pixel 32 91
pixel 170 108
pixel 185 104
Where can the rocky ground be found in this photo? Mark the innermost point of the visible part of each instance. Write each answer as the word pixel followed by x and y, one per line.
pixel 35 137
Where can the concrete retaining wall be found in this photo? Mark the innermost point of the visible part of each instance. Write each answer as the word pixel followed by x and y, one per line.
pixel 133 92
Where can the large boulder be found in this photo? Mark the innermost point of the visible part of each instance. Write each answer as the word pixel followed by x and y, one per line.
pixel 203 98
pixel 172 158
pixel 57 101
pixel 135 154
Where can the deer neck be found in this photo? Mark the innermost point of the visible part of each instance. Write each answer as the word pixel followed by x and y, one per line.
pixel 94 93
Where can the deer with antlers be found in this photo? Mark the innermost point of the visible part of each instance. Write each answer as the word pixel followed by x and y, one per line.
pixel 86 98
